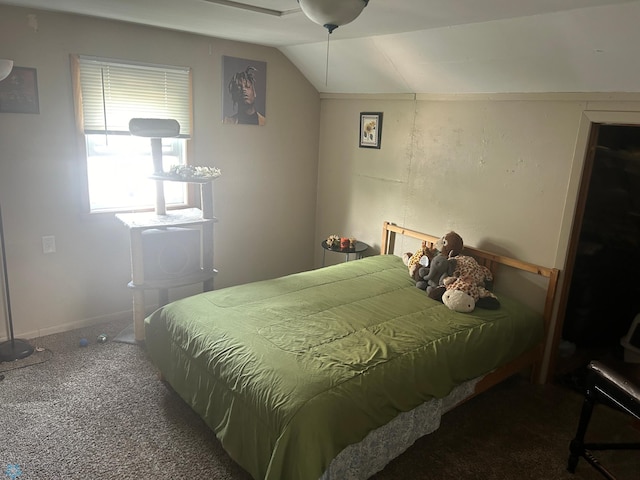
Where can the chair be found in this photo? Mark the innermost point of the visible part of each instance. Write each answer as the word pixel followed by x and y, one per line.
pixel 608 386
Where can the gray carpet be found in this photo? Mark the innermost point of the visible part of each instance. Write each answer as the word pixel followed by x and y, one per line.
pixel 100 412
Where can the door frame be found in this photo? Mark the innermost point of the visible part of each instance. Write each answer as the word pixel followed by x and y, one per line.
pixel 572 217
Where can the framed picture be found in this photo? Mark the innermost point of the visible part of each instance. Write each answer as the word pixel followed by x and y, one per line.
pixel 19 91
pixel 244 92
pixel 370 129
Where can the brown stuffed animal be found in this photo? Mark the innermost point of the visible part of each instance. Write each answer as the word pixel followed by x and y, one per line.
pixel 450 244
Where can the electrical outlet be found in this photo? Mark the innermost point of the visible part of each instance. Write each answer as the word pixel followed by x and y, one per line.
pixel 48 244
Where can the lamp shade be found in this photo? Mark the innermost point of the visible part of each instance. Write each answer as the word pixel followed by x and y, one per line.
pixel 5 68
pixel 332 13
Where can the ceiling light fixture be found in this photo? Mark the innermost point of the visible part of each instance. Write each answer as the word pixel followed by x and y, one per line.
pixel 332 13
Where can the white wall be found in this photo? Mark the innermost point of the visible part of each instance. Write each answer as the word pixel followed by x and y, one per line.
pixel 495 171
pixel 268 183
pixel 502 170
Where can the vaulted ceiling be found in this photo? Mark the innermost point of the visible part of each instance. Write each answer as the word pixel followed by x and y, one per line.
pixel 418 46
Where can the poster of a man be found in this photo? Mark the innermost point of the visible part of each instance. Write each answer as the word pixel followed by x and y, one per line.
pixel 245 91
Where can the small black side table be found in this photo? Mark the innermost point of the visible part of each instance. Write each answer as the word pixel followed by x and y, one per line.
pixel 357 250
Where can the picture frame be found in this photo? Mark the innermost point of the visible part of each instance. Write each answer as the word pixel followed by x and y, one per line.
pixel 238 108
pixel 19 91
pixel 370 129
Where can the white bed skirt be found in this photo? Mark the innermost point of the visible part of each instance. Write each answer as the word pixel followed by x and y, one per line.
pixel 364 459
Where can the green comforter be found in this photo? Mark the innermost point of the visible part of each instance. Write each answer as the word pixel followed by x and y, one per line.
pixel 290 371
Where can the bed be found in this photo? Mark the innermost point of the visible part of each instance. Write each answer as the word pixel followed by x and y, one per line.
pixel 331 373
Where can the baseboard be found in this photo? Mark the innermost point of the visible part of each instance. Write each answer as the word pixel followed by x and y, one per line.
pixel 68 326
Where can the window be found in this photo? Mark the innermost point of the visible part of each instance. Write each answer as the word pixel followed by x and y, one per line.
pixel 118 165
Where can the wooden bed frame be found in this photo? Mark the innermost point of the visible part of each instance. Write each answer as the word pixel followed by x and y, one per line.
pixel 530 359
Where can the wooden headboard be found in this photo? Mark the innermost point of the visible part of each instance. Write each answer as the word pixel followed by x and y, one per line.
pixel 491 261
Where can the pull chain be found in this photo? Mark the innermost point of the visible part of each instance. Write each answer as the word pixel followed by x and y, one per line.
pixel 326 70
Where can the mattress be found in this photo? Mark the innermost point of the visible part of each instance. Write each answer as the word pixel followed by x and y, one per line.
pixel 290 371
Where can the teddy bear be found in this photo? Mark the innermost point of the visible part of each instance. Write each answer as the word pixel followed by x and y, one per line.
pixel 467 287
pixel 450 244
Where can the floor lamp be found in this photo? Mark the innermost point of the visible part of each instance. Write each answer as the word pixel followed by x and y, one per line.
pixel 14 348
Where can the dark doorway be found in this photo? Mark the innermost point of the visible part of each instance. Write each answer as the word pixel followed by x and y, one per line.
pixel 604 291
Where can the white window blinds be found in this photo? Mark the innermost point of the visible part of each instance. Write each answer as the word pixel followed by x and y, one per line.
pixel 114 92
